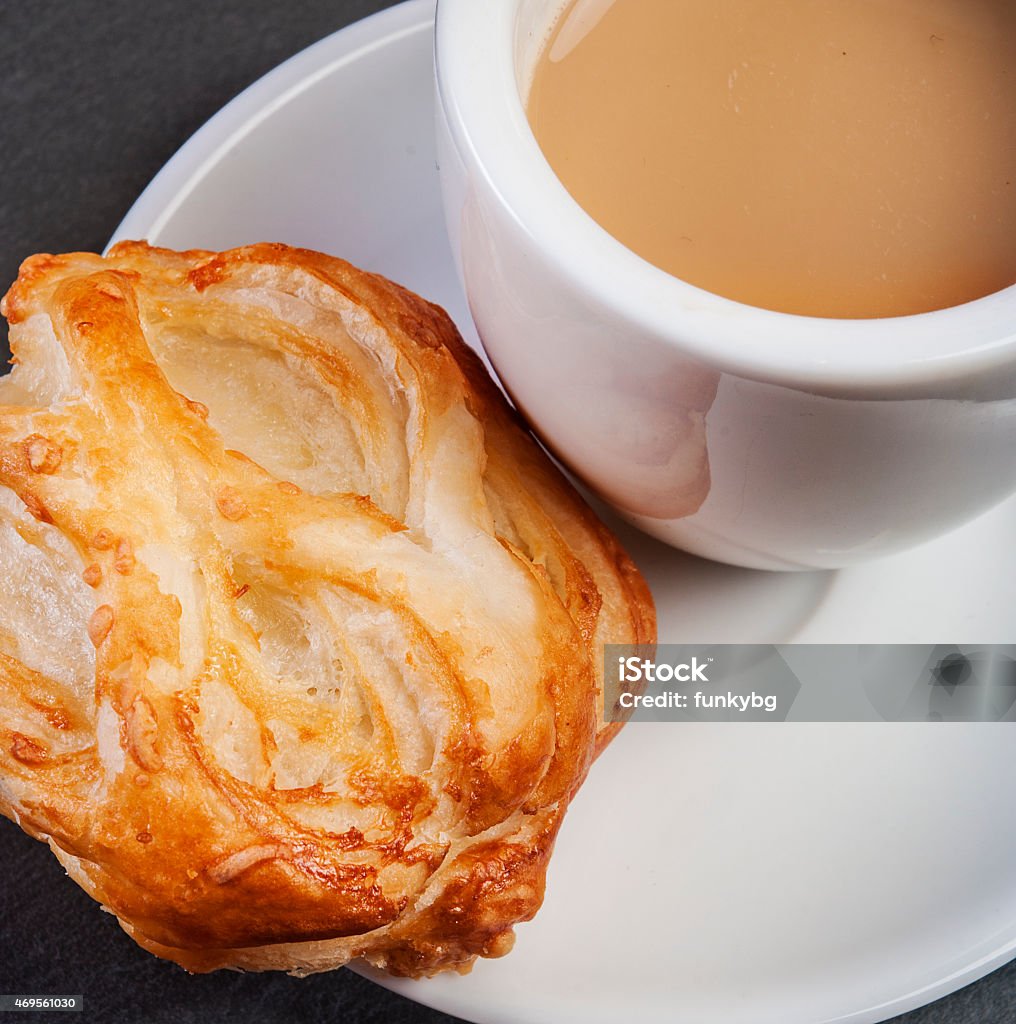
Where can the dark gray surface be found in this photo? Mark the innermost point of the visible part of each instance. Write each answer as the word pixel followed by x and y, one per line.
pixel 95 98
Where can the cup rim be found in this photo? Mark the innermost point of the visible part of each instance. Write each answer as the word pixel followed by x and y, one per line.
pixel 478 93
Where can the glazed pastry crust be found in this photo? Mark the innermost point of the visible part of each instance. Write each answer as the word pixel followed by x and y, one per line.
pixel 301 635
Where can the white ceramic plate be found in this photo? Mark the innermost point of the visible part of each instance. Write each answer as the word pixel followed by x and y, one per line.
pixel 709 874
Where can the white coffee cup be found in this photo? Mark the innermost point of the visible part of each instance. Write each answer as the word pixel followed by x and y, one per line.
pixel 749 436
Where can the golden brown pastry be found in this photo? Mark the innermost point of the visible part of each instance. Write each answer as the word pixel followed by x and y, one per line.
pixel 301 632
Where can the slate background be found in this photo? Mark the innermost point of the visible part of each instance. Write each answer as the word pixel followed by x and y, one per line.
pixel 94 99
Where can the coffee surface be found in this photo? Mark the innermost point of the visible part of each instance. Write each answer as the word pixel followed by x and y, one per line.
pixel 836 158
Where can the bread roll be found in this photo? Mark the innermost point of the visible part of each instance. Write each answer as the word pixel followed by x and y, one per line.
pixel 301 633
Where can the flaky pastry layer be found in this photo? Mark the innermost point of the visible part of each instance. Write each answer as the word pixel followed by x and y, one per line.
pixel 301 632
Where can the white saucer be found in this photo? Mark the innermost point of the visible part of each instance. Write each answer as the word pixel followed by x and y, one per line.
pixel 709 874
